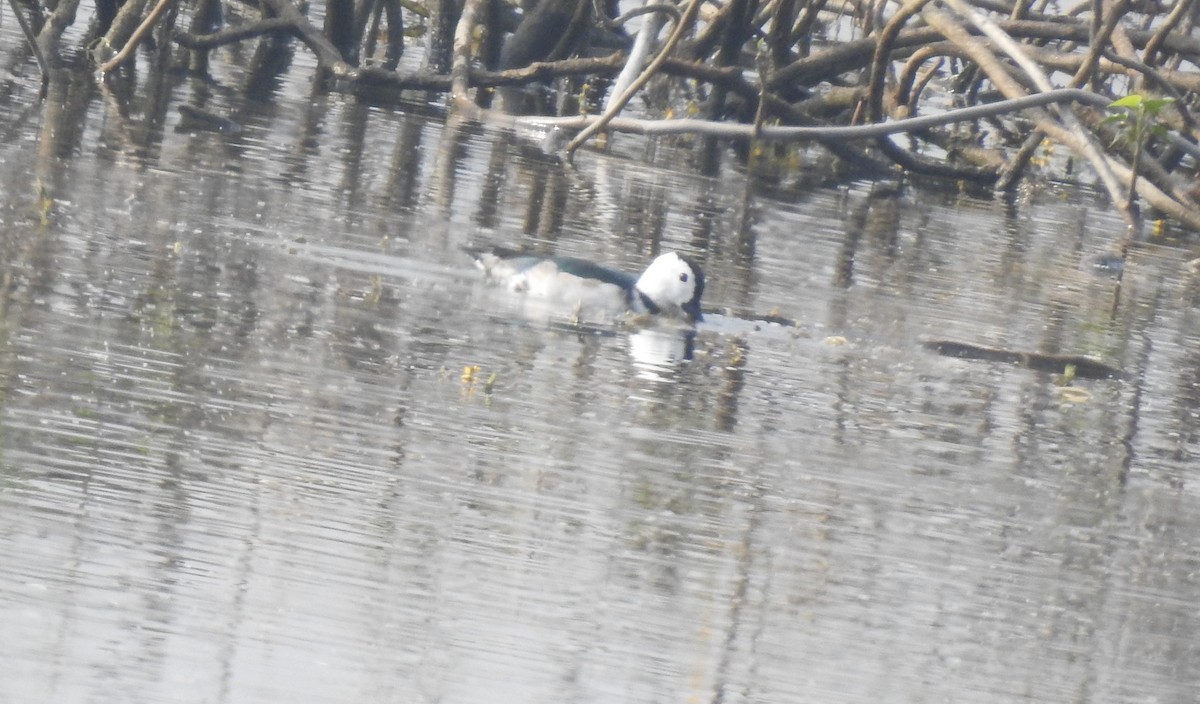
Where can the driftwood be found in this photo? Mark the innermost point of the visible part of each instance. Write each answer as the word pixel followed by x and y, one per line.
pixel 763 70
pixel 1070 364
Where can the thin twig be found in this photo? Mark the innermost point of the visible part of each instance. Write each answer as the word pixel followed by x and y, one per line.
pixel 636 61
pixel 815 134
pixel 136 37
pixel 689 16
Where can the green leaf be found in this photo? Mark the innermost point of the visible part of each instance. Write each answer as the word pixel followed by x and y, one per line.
pixel 1132 102
pixel 1154 105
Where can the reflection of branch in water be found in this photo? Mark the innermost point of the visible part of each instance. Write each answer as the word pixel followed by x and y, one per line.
pixel 734 373
pixel 33 46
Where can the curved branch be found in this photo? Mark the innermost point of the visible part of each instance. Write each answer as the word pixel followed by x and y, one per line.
pixel 639 11
pixel 908 75
pixel 883 50
pixel 230 35
pixel 922 81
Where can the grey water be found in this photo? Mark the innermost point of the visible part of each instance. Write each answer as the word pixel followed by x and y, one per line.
pixel 265 436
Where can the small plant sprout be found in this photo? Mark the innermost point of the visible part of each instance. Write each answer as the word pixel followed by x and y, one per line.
pixel 1137 119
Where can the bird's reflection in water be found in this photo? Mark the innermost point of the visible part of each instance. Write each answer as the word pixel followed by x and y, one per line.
pixel 658 351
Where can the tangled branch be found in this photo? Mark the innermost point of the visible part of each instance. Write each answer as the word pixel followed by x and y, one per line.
pixel 768 72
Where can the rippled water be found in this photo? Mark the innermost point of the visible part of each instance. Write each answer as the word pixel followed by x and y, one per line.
pixel 265 436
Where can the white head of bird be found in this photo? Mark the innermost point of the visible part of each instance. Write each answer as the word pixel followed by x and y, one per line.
pixel 674 283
